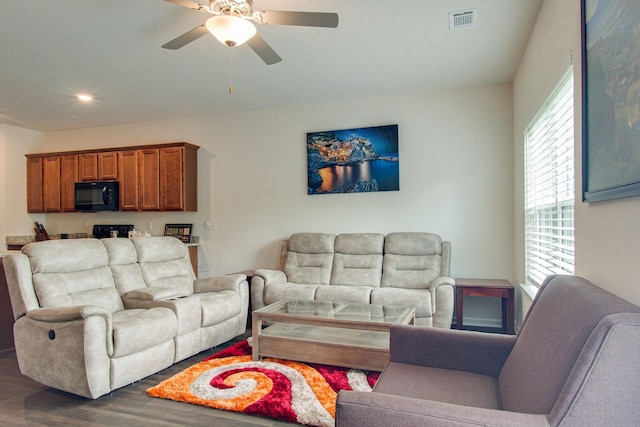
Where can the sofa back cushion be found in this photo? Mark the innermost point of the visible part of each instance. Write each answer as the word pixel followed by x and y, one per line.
pixel 123 261
pixel 411 260
pixel 562 318
pixel 72 272
pixel 309 258
pixel 358 260
pixel 164 261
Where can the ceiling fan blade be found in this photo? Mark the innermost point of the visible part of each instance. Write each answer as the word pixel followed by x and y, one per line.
pixel 263 50
pixel 305 19
pixel 187 3
pixel 186 38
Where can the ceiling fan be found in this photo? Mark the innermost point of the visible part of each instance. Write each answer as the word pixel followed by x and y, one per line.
pixel 232 24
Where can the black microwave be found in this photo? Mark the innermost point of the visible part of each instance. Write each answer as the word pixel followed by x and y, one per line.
pixel 96 196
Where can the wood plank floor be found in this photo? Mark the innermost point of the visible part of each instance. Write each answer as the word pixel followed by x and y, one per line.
pixel 24 402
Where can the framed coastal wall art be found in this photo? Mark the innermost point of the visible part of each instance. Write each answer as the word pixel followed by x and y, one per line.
pixel 358 160
pixel 180 231
pixel 611 99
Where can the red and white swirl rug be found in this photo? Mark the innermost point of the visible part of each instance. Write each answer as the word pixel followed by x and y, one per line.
pixel 280 389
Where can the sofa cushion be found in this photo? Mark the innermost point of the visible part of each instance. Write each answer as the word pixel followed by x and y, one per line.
pixel 61 256
pixel 60 280
pixel 417 298
pixel 411 260
pixel 337 293
pixel 123 261
pixel 91 287
pixel 129 278
pixel 358 260
pixel 413 243
pixel 159 249
pixel 440 385
pixel 169 274
pixel 120 251
pixel 164 261
pixel 308 268
pixel 359 243
pixel 312 243
pixel 310 258
pixel 278 291
pixel 217 307
pixel 139 329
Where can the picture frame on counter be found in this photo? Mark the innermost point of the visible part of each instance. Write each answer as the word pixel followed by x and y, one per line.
pixel 179 231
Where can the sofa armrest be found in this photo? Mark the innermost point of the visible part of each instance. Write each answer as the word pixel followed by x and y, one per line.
pixel 441 281
pixel 67 314
pixel 231 282
pixel 271 275
pixel 157 293
pixel 261 278
pixel 476 352
pixel 355 409
pixel 75 313
pixel 442 298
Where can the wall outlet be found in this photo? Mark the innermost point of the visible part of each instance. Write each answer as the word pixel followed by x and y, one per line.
pixel 207 225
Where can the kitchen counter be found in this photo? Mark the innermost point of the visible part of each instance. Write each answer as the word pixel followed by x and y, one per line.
pixel 16 243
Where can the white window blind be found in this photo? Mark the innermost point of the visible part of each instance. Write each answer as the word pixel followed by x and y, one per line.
pixel 549 186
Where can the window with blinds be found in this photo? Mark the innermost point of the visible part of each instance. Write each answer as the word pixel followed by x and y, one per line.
pixel 549 186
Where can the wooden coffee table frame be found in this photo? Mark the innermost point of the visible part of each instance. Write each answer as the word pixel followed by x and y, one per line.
pixel 361 344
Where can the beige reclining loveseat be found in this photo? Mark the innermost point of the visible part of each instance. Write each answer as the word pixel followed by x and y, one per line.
pixel 95 315
pixel 403 269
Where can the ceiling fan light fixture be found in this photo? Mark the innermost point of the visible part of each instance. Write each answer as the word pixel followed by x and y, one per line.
pixel 231 30
pixel 84 97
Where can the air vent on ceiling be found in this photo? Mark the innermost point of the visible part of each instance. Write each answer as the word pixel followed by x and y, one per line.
pixel 463 19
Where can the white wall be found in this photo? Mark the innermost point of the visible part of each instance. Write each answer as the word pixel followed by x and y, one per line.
pixel 607 233
pixel 455 178
pixel 14 143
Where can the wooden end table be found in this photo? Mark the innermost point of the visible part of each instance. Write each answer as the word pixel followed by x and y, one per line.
pixel 499 288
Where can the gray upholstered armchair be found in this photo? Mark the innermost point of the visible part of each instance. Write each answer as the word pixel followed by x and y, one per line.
pixel 574 363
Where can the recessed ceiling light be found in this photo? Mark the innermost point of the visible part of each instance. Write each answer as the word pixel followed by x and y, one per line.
pixel 84 97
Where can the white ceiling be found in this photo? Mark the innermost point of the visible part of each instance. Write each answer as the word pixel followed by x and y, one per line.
pixel 51 50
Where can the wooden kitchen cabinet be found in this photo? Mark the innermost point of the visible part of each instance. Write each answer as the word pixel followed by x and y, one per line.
pixel 178 179
pixel 98 166
pixel 168 179
pixel 161 177
pixel 44 184
pixel 108 166
pixel 51 184
pixel 34 185
pixel 68 179
pixel 128 179
pixel 171 179
pixel 149 167
pixel 88 167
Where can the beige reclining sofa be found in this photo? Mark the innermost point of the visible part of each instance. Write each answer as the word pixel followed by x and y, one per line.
pixel 404 269
pixel 95 315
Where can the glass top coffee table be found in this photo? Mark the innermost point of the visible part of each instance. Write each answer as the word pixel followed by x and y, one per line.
pixel 339 334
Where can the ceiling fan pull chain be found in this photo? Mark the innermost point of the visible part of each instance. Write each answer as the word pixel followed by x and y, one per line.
pixel 231 53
